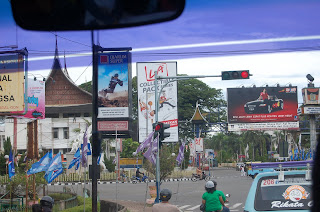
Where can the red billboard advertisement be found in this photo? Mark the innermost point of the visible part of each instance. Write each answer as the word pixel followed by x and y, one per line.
pixel 262 104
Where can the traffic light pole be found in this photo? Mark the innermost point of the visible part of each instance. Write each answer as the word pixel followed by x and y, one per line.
pixel 171 79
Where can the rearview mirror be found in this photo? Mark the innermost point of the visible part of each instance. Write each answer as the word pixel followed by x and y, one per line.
pixel 58 15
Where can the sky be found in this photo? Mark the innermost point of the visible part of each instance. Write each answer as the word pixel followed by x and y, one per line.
pixel 278 41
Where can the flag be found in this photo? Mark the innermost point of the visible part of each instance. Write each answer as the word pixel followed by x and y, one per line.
pixel 76 159
pixel 41 165
pixel 11 165
pixel 55 168
pixel 99 158
pixel 150 156
pixel 84 160
pixel 145 144
pixel 181 153
pixel 299 143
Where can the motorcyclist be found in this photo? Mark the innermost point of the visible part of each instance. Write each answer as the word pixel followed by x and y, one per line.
pixel 164 205
pixel 46 205
pixel 213 199
pixel 138 174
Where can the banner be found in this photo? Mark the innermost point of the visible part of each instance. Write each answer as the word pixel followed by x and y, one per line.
pixel 167 108
pixel 199 144
pixel 310 96
pixel 114 78
pixel 12 83
pixel 36 100
pixel 262 105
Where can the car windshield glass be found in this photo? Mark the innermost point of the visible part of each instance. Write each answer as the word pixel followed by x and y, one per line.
pixel 293 193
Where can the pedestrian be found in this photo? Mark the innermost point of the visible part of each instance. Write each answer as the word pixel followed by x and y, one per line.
pixel 164 205
pixel 213 199
pixel 242 171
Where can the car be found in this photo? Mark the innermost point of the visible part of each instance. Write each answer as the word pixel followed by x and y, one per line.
pixel 264 106
pixel 269 193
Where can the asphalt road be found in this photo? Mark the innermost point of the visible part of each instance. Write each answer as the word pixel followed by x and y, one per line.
pixel 186 194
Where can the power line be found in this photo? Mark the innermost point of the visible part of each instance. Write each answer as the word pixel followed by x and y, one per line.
pixel 70 40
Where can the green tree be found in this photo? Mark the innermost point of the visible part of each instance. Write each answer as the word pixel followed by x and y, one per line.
pixel 186 161
pixel 128 147
pixel 167 163
pixel 110 166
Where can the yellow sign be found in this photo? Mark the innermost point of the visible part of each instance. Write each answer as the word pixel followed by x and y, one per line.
pixel 11 83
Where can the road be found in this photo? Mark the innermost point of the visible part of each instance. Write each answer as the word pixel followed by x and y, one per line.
pixel 186 194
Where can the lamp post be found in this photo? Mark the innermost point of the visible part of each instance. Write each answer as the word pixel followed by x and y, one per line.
pixel 7 161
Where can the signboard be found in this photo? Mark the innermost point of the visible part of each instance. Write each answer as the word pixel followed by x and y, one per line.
pixel 310 96
pixel 199 144
pixel 36 100
pixel 264 126
pixel 11 83
pixel 309 110
pixel 192 148
pixel 263 105
pixel 114 75
pixel 167 108
pixel 113 125
pixel 119 145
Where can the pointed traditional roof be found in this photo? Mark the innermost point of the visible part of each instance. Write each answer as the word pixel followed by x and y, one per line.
pixel 61 91
pixel 197 116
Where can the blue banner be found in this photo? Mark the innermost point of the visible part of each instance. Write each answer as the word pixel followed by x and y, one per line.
pixel 12 171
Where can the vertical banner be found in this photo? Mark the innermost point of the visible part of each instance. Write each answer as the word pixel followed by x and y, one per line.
pixel 36 100
pixel 199 144
pixel 11 83
pixel 114 73
pixel 167 108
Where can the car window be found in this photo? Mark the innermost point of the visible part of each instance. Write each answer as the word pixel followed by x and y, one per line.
pixel 293 193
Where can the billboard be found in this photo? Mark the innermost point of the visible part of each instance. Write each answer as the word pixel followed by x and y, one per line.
pixel 36 100
pixel 259 108
pixel 114 78
pixel 167 108
pixel 11 83
pixel 199 144
pixel 310 96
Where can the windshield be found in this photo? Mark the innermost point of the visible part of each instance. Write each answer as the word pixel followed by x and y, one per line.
pixel 293 193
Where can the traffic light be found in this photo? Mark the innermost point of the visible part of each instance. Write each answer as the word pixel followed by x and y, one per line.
pixel 235 75
pixel 159 129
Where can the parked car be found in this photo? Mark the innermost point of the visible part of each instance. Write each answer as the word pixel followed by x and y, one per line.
pixel 264 106
pixel 269 193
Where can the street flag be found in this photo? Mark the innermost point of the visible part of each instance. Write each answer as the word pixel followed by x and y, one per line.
pixel 145 144
pixel 181 153
pixel 41 165
pixel 11 165
pixel 85 149
pixel 99 158
pixel 55 168
pixel 76 159
pixel 150 155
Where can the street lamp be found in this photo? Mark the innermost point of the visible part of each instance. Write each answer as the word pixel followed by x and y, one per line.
pixel 7 161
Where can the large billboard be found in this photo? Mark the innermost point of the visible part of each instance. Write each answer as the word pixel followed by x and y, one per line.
pixel 114 75
pixel 11 83
pixel 167 108
pixel 265 108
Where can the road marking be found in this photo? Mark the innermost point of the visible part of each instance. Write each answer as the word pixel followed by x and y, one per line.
pixel 191 209
pixel 235 205
pixel 185 206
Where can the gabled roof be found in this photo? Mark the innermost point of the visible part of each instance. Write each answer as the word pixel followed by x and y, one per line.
pixel 61 91
pixel 197 116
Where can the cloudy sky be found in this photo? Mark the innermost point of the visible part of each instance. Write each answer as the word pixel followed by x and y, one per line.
pixel 278 41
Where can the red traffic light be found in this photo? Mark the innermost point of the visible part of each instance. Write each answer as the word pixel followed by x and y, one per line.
pixel 245 74
pixel 158 127
pixel 235 75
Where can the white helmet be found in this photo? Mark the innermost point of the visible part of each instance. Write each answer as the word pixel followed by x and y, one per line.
pixel 210 184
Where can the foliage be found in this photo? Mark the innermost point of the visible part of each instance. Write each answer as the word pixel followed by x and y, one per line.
pixel 167 163
pixel 21 164
pixel 87 86
pixel 88 205
pixel 60 196
pixel 6 146
pixel 185 163
pixel 128 147
pixel 109 164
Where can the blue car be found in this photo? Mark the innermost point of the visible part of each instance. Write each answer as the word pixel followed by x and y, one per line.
pixel 268 193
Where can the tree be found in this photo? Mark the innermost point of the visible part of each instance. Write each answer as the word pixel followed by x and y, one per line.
pixel 167 163
pixel 128 147
pixel 110 166
pixel 186 162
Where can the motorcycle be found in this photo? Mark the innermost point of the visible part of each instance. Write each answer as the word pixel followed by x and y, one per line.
pixel 196 177
pixel 135 179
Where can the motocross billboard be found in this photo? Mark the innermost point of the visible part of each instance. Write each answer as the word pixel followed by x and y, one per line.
pixel 114 75
pixel 167 108
pixel 262 108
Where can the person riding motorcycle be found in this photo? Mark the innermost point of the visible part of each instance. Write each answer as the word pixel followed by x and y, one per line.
pixel 213 199
pixel 138 174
